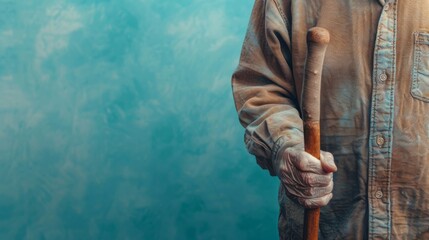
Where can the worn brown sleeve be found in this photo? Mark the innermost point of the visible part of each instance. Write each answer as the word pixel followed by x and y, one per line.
pixel 263 86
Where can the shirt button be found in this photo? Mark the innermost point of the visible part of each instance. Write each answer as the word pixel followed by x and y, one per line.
pixel 382 77
pixel 380 140
pixel 379 194
pixel 386 7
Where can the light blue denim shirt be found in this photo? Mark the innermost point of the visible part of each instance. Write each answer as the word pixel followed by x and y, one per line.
pixel 374 109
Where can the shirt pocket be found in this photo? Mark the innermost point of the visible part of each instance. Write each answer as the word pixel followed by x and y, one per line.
pixel 420 72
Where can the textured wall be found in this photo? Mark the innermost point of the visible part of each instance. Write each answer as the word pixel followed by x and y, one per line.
pixel 117 122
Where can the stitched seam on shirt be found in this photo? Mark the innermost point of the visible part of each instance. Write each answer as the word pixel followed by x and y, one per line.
pixel 261 144
pixel 416 61
pixel 372 132
pixel 267 149
pixel 282 14
pixel 277 145
pixel 371 157
pixel 257 142
pixel 392 105
pixel 416 82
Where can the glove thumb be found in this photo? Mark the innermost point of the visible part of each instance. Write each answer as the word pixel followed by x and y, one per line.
pixel 327 161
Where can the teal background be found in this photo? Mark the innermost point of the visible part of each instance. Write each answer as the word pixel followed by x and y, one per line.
pixel 117 122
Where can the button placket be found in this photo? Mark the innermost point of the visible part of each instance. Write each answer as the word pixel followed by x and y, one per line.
pixel 381 124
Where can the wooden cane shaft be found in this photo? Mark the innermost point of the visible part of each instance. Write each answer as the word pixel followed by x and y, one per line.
pixel 317 42
pixel 311 217
pixel 312 146
pixel 312 138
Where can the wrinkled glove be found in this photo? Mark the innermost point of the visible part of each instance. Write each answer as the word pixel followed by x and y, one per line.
pixel 305 178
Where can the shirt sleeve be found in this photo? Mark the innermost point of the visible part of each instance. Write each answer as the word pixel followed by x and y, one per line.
pixel 263 85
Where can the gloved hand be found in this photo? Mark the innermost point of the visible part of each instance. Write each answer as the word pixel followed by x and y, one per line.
pixel 306 179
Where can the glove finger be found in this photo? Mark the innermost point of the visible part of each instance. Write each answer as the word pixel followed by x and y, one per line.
pixel 309 192
pixel 308 179
pixel 315 202
pixel 305 162
pixel 327 161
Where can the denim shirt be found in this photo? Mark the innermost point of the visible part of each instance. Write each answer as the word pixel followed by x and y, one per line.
pixel 374 109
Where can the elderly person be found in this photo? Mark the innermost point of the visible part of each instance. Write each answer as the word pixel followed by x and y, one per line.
pixel 374 114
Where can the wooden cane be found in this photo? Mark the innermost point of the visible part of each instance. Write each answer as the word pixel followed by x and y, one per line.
pixel 317 42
